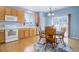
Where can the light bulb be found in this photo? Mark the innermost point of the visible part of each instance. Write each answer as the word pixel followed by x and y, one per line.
pixel 49 14
pixel 53 14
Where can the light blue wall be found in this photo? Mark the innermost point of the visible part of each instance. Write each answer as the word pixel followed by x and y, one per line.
pixel 42 21
pixel 74 11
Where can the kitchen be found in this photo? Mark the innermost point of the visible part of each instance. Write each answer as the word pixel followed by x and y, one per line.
pixel 22 27
pixel 14 26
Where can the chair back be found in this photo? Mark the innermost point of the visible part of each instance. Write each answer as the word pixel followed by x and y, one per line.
pixel 50 33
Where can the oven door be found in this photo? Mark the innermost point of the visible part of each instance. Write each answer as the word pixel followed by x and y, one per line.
pixel 11 34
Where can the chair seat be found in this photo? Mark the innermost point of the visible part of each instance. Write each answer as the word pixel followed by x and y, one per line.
pixel 51 38
pixel 50 41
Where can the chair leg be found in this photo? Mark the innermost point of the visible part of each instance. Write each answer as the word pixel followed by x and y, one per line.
pixel 39 38
pixel 46 46
pixel 53 45
pixel 63 41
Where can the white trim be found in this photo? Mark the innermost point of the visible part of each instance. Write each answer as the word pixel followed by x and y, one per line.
pixel 75 38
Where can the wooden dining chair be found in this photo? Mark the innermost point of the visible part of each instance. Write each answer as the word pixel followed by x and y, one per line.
pixel 61 36
pixel 50 34
pixel 41 34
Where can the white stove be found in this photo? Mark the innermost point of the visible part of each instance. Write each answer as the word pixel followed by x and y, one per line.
pixel 11 33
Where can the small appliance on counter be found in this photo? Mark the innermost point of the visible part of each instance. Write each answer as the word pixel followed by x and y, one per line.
pixel 10 18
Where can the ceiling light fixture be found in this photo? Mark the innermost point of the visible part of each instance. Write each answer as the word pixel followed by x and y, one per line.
pixel 50 13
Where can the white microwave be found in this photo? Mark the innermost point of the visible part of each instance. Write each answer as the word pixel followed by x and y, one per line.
pixel 10 18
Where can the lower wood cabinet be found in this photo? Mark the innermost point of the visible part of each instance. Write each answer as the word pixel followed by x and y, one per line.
pixel 21 33
pixel 32 31
pixel 2 36
pixel 26 32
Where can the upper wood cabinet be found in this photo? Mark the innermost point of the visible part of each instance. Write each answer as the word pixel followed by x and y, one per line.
pixel 7 11
pixel 13 12
pixel 2 36
pixel 2 10
pixel 20 15
pixel 2 14
pixel 2 18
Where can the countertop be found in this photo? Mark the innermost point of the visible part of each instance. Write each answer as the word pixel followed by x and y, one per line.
pixel 6 28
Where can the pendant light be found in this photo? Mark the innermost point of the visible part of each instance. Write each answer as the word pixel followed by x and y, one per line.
pixel 50 13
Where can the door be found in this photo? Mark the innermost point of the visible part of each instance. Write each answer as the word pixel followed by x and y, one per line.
pixel 13 12
pixel 31 32
pixel 34 31
pixel 2 36
pixel 1 13
pixel 20 15
pixel 21 33
pixel 26 32
pixel 7 11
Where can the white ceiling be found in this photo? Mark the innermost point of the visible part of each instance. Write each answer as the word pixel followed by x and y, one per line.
pixel 43 8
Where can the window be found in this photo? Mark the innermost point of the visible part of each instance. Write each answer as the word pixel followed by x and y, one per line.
pixel 29 19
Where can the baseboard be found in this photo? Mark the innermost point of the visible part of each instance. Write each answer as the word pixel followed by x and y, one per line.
pixel 74 38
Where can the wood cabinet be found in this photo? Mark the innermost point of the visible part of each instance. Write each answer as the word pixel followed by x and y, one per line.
pixel 2 10
pixel 32 31
pixel 2 36
pixel 1 13
pixel 13 12
pixel 7 11
pixel 20 15
pixel 21 33
pixel 2 18
pixel 27 32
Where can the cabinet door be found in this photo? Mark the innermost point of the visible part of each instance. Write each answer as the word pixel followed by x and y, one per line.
pixel 21 33
pixel 2 36
pixel 31 32
pixel 13 12
pixel 34 31
pixel 1 13
pixel 26 32
pixel 20 15
pixel 2 18
pixel 1 10
pixel 7 11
